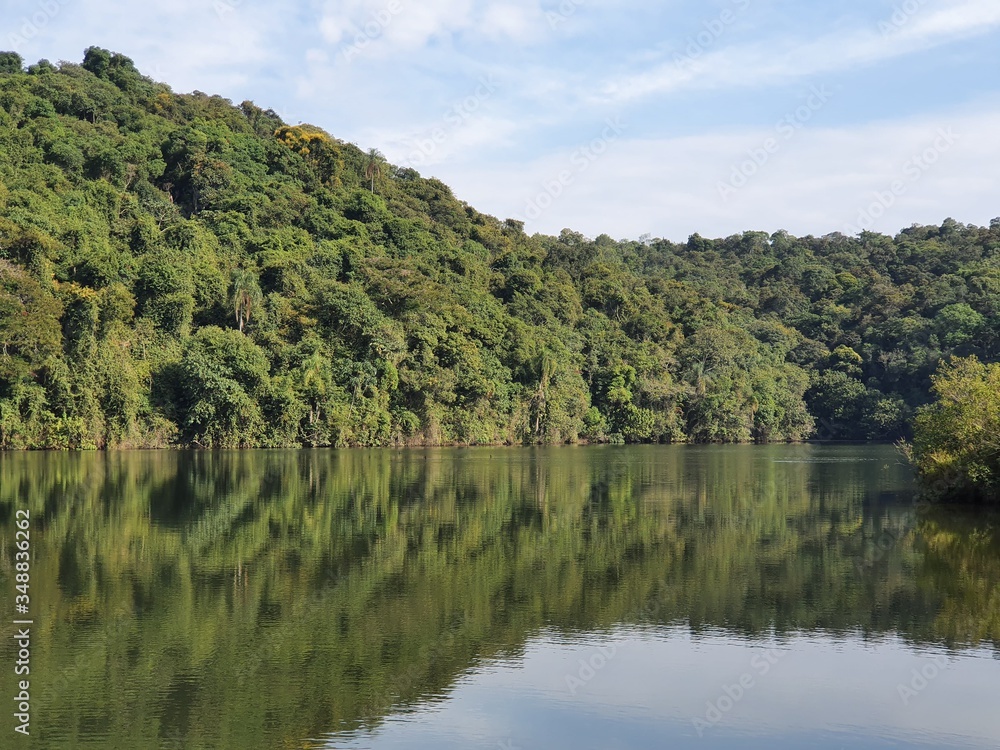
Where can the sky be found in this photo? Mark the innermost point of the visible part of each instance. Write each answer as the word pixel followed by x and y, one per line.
pixel 624 118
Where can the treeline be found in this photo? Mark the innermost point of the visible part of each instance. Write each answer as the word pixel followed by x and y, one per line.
pixel 178 270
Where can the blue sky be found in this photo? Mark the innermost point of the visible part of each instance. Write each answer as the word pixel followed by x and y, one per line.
pixel 625 118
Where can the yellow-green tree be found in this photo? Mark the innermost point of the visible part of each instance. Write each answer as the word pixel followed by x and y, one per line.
pixel 956 446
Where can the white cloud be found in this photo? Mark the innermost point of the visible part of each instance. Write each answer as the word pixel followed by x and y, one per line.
pixel 513 21
pixel 819 181
pixel 774 62
pixel 215 46
pixel 402 26
pixel 445 140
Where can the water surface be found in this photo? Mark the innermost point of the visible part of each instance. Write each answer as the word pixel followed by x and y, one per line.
pixel 602 597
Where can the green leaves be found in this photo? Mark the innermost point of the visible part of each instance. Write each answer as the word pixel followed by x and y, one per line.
pixel 956 445
pixel 246 295
pixel 133 219
pixel 10 63
pixel 959 324
pixel 29 323
pixel 221 379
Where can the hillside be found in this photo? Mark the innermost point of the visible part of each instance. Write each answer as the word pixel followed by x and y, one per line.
pixel 178 270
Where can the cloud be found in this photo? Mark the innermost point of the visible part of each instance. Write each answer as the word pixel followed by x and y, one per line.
pixel 777 62
pixel 447 139
pixel 513 21
pixel 215 46
pixel 402 26
pixel 819 181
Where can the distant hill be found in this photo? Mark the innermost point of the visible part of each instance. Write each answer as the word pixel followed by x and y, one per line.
pixel 175 269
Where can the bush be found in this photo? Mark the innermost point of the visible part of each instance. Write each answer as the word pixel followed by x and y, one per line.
pixel 956 446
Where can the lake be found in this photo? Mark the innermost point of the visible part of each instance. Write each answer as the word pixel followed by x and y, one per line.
pixel 580 597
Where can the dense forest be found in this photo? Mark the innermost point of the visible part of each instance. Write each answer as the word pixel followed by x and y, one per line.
pixel 177 270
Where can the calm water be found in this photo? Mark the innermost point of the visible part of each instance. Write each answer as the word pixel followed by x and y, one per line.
pixel 606 598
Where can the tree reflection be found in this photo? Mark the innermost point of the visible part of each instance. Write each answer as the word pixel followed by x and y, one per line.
pixel 234 599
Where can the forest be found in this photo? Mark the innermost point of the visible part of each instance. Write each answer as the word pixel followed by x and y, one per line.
pixel 177 270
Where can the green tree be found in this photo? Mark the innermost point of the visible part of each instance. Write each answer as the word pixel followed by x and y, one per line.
pixel 374 166
pixel 221 381
pixel 246 295
pixel 10 63
pixel 956 445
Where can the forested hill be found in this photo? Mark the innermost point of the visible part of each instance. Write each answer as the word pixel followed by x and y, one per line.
pixel 178 270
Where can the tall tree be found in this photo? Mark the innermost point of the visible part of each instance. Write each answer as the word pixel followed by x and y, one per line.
pixel 246 295
pixel 374 166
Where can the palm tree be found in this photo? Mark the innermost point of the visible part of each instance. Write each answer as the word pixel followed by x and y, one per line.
pixel 699 375
pixel 246 295
pixel 374 166
pixel 547 371
pixel 314 382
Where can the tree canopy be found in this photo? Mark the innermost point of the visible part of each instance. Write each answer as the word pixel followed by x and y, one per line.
pixel 175 269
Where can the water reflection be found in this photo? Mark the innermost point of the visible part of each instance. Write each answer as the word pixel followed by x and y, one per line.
pixel 332 598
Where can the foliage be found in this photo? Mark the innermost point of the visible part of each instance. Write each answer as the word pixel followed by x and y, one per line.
pixel 956 446
pixel 137 223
